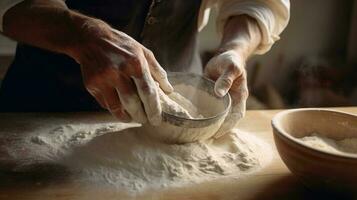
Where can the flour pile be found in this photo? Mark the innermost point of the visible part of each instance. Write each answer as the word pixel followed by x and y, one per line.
pixel 317 141
pixel 43 143
pixel 105 154
pixel 132 161
pixel 178 105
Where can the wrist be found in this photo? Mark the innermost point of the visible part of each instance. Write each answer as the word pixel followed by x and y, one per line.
pixel 241 48
pixel 73 36
pixel 241 34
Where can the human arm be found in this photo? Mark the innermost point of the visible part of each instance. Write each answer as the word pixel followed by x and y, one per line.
pixel 247 27
pixel 241 37
pixel 118 71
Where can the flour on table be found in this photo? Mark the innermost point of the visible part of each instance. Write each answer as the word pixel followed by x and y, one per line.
pixel 104 154
pixel 134 162
pixel 46 144
pixel 348 145
pixel 125 156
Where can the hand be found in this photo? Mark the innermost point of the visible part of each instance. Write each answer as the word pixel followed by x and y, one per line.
pixel 228 70
pixel 241 37
pixel 120 73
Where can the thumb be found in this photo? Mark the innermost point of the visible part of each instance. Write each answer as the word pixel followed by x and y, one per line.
pixel 224 83
pixel 158 73
pixel 232 70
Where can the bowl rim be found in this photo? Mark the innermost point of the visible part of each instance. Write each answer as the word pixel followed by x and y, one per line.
pixel 218 115
pixel 287 136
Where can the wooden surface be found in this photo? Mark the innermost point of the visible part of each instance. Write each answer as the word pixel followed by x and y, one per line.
pixel 272 182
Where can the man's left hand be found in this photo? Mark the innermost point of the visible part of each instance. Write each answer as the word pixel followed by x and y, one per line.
pixel 228 70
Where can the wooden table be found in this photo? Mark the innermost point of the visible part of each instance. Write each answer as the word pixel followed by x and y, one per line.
pixel 273 182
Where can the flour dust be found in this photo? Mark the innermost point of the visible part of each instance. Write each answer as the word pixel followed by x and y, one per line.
pixel 118 155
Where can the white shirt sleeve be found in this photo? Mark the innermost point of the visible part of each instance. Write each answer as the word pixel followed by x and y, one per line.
pixel 5 5
pixel 272 17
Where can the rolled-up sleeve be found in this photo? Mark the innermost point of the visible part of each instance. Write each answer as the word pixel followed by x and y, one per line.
pixel 5 5
pixel 272 17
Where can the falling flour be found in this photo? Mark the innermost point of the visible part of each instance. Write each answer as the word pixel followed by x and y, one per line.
pixel 348 145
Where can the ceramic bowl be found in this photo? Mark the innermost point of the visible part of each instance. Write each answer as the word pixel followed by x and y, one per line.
pixel 319 170
pixel 176 129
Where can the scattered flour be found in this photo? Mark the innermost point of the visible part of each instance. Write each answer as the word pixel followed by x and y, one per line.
pixel 348 145
pixel 128 159
pixel 134 162
pixel 46 144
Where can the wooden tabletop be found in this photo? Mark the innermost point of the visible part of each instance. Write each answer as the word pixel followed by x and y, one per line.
pixel 272 182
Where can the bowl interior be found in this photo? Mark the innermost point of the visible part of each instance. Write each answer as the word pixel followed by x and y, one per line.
pixel 319 170
pixel 200 91
pixel 303 122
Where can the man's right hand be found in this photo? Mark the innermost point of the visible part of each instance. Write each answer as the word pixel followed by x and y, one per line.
pixel 120 73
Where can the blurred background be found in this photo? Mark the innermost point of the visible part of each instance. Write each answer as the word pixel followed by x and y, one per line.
pixel 314 64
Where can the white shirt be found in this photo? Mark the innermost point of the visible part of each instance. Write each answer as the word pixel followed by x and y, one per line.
pixel 271 15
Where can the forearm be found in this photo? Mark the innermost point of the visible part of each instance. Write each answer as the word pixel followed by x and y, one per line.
pixel 47 24
pixel 242 34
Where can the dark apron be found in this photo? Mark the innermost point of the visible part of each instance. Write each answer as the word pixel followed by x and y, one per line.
pixel 40 80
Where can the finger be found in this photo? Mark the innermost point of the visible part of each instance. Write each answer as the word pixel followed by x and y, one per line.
pixel 112 46
pixel 130 100
pixel 114 105
pixel 239 94
pixel 224 83
pixel 148 94
pixel 138 69
pixel 229 67
pixel 229 123
pixel 117 32
pixel 98 97
pixel 232 119
pixel 212 69
pixel 158 72
pixel 126 90
pixel 91 82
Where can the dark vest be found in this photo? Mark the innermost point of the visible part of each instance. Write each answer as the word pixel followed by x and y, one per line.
pixel 40 80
